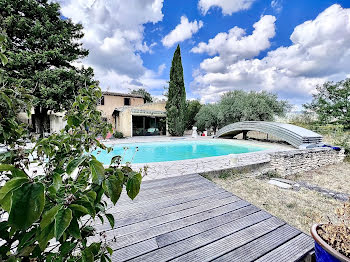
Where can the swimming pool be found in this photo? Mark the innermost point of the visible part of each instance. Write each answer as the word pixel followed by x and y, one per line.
pixel 172 151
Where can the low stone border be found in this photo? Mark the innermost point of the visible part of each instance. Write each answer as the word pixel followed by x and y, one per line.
pixel 285 163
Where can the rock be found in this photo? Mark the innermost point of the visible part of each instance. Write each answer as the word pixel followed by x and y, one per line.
pixel 280 184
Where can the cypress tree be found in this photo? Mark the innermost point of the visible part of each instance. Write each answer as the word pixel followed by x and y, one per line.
pixel 176 104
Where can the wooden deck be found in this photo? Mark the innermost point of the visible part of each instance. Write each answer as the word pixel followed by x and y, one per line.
pixel 189 218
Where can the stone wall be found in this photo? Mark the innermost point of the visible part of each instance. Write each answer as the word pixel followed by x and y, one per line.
pixel 284 162
pixel 291 162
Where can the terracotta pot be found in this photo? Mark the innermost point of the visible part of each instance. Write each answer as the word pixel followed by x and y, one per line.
pixel 325 252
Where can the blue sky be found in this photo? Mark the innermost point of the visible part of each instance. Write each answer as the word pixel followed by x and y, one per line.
pixel 280 46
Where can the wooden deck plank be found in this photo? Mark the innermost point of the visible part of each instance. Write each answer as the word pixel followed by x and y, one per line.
pixel 129 204
pixel 142 197
pixel 166 182
pixel 161 192
pixel 183 233
pixel 260 246
pixel 232 241
pixel 171 179
pixel 154 212
pixel 164 203
pixel 170 217
pixel 130 239
pixel 293 250
pixel 189 218
pixel 190 249
pixel 162 253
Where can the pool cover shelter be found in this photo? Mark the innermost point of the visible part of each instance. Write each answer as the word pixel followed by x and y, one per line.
pixel 294 135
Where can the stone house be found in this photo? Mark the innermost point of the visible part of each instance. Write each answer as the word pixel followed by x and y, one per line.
pixel 130 114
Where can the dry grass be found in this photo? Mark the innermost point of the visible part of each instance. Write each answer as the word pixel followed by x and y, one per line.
pixel 298 208
pixel 334 177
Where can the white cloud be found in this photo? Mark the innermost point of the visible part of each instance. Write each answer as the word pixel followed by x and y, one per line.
pixel 182 32
pixel 277 5
pixel 228 6
pixel 114 35
pixel 235 45
pixel 320 51
pixel 161 69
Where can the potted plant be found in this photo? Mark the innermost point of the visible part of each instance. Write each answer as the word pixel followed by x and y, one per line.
pixel 332 240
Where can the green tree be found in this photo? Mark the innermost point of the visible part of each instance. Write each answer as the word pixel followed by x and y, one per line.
pixel 176 103
pixel 331 102
pixel 61 201
pixel 13 99
pixel 238 105
pixel 142 92
pixel 41 49
pixel 207 117
pixel 192 108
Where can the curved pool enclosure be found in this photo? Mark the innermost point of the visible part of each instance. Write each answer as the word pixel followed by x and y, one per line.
pixel 172 151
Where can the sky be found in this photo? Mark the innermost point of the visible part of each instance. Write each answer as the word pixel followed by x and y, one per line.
pixel 280 46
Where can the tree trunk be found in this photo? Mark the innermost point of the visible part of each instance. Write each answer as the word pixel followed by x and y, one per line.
pixel 41 120
pixel 245 135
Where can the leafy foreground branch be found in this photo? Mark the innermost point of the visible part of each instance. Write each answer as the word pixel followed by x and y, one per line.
pixel 47 215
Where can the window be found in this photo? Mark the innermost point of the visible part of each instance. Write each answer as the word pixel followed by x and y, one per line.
pixel 101 102
pixel 126 101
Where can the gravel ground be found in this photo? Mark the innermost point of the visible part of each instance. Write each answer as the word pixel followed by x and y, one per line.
pixel 298 208
pixel 334 177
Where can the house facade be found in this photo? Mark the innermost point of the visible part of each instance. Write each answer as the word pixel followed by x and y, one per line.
pixel 130 115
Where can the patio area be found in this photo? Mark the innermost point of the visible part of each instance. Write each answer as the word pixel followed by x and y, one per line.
pixel 189 218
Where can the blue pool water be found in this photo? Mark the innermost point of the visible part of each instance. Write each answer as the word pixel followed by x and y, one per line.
pixel 171 151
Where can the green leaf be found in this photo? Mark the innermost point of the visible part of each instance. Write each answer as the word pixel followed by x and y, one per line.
pixel 97 171
pixel 87 255
pixel 79 208
pixel 103 258
pixel 113 187
pixel 72 165
pixel 56 181
pixel 6 202
pixel 27 239
pixel 110 251
pixel 91 195
pixel 133 184
pixel 74 228
pixel 100 217
pixel 62 221
pixel 115 159
pixel 49 216
pixel 95 248
pixel 66 247
pixel 88 205
pixel 12 259
pixel 27 205
pixel 26 251
pixel 2 38
pixel 4 59
pixel 11 185
pixel 46 235
pixel 110 218
pixel 73 121
pixel 16 172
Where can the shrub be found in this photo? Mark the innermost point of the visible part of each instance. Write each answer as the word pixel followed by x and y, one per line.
pixel 118 134
pixel 342 139
pixel 36 209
